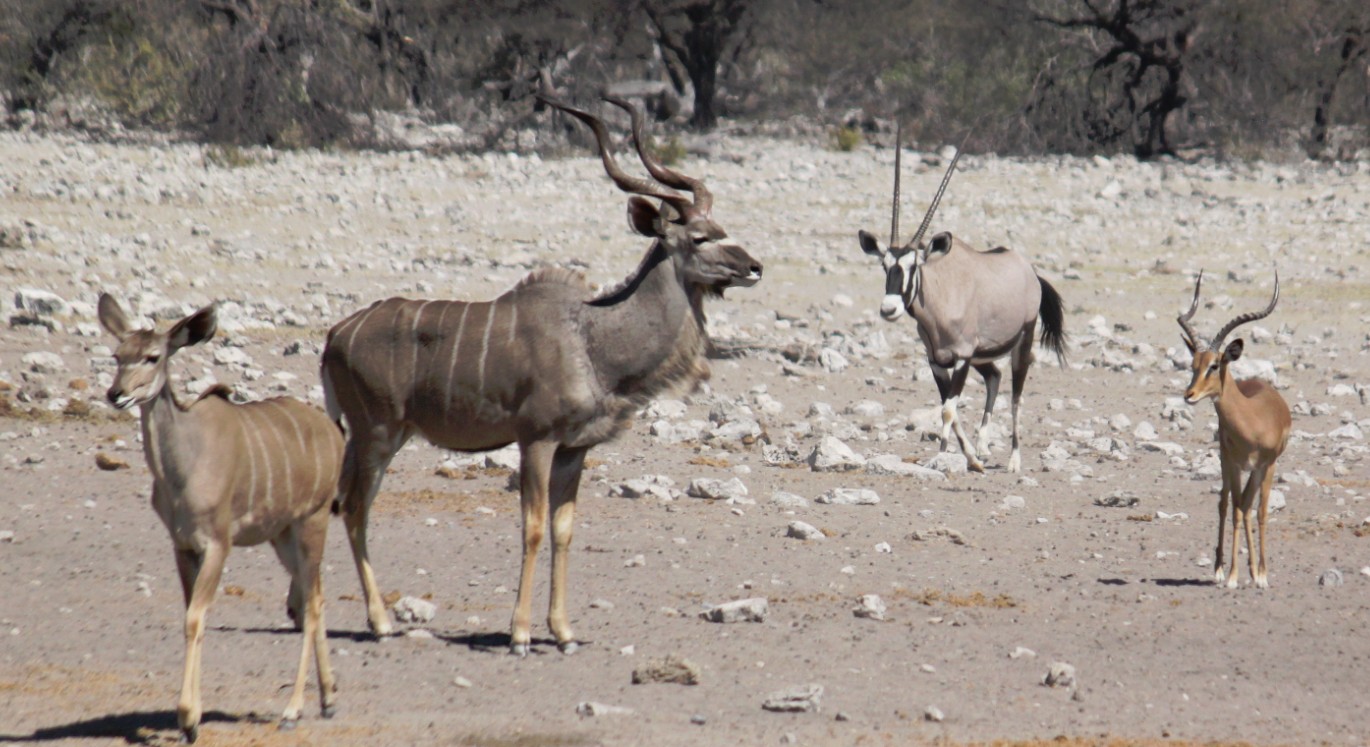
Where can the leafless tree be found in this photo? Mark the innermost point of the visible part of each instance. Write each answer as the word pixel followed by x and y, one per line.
pixel 697 35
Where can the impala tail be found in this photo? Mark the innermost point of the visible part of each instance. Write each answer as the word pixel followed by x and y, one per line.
pixel 1053 315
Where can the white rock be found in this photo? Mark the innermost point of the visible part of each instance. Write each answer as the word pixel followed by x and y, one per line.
pixel 947 463
pixel 1020 652
pixel 590 709
pixel 43 362
pixel 867 408
pixel 669 409
pixel 1348 432
pixel 833 361
pixel 788 500
pixel 1145 431
pixel 934 714
pixel 804 531
pixel 850 497
pixel 803 699
pixel 413 609
pixel 1169 448
pixel 831 455
pixel 1014 501
pixel 842 301
pixel 1059 675
pixel 232 356
pixel 506 458
pixel 731 490
pixel 41 302
pixel 741 610
pixel 870 606
pixel 1331 577
pixel 893 464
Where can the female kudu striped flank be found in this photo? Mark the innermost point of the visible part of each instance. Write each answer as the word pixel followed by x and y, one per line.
pixel 545 365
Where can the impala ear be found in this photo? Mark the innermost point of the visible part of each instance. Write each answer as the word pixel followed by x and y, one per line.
pixel 1233 351
pixel 643 217
pixel 194 329
pixel 869 244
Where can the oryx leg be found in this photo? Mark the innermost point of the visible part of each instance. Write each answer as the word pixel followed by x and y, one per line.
pixel 950 419
pixel 990 373
pixel 535 467
pixel 206 569
pixel 1020 361
pixel 562 489
pixel 943 378
pixel 367 456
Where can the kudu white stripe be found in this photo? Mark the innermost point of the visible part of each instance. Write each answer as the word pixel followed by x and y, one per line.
pixel 561 371
pixel 224 475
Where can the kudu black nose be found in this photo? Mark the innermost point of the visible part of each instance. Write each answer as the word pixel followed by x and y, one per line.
pixel 113 395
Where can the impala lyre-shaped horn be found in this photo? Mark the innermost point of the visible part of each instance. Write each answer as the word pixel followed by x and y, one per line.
pixel 1183 319
pixel 1248 317
pixel 625 182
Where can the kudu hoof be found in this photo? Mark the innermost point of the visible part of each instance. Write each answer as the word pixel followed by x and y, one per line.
pixel 568 647
pixel 519 649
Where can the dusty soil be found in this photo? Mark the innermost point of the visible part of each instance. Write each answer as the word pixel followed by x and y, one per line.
pixel 90 613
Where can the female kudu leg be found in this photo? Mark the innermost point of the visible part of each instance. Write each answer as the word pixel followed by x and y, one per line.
pixel 535 466
pixel 202 590
pixel 304 542
pixel 562 490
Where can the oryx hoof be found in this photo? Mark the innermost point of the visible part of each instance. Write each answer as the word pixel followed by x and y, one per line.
pixel 519 649
pixel 568 647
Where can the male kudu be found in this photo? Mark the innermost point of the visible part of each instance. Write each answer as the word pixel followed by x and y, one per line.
pixel 225 475
pixel 972 308
pixel 546 365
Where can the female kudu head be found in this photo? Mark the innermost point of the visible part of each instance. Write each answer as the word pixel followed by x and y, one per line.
pixel 143 354
pixel 704 255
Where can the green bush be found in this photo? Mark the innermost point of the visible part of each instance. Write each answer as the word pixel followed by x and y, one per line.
pixel 845 139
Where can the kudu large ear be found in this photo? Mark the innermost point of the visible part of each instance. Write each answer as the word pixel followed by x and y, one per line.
pixel 869 244
pixel 644 217
pixel 112 316
pixel 193 330
pixel 1233 351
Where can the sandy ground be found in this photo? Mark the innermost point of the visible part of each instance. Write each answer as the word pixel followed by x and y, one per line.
pixel 90 613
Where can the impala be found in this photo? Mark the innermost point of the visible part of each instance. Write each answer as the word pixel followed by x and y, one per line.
pixel 225 475
pixel 1253 429
pixel 972 308
pixel 547 365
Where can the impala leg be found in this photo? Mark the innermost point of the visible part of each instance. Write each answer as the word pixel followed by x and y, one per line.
pixel 535 464
pixel 1262 581
pixel 203 587
pixel 990 373
pixel 1231 478
pixel 564 485
pixel 958 382
pixel 364 464
pixel 1234 501
pixel 1253 483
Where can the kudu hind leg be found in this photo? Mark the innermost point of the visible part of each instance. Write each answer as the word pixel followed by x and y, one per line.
pixel 563 487
pixel 294 604
pixel 535 466
pixel 304 543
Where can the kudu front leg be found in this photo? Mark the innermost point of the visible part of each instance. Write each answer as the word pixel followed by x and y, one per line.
pixel 563 488
pixel 535 466
pixel 203 586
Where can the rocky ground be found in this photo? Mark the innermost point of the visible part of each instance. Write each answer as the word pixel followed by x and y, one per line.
pixel 935 606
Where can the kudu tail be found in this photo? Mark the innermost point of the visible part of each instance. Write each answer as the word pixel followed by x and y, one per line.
pixel 1053 315
pixel 335 413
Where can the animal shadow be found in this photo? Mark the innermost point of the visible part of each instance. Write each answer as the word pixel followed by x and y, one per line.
pixel 137 727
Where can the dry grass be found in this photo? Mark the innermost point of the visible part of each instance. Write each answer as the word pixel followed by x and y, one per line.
pixel 930 597
pixel 415 502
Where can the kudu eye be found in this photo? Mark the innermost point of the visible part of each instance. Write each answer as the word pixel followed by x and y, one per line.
pixel 153 359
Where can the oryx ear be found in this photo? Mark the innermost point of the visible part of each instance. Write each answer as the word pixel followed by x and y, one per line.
pixel 193 330
pixel 1233 351
pixel 940 244
pixel 644 217
pixel 112 316
pixel 869 244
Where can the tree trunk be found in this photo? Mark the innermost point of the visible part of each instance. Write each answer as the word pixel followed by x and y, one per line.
pixel 1352 48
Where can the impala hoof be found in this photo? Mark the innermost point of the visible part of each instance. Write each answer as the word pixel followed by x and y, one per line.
pixel 1262 583
pixel 519 649
pixel 568 647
